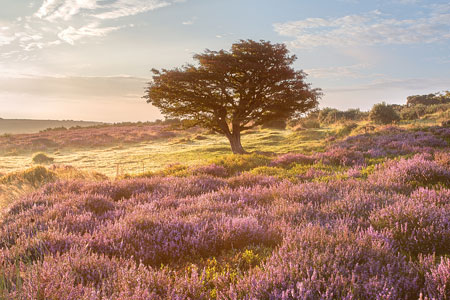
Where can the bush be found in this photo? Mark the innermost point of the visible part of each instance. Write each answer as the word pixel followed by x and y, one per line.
pixel 238 163
pixel 331 115
pixel 346 129
pixel 34 176
pixel 309 123
pixel 423 99
pixel 42 158
pixel 275 124
pixel 382 113
pixel 288 159
pixel 412 113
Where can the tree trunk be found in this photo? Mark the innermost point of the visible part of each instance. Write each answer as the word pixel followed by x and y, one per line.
pixel 235 142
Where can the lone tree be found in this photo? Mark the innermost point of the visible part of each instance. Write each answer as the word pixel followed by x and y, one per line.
pixel 232 91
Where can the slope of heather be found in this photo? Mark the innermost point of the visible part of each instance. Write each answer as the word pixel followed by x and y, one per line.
pixel 367 218
pixel 82 137
pixel 16 126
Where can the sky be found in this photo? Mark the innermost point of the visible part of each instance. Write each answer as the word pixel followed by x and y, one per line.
pixel 91 59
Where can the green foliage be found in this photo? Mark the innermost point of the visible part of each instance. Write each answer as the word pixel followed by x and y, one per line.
pixel 430 99
pixel 329 115
pixel 346 129
pixel 309 123
pixel 420 110
pixel 222 76
pixel 382 113
pixel 42 158
pixel 269 171
pixel 34 176
pixel 239 163
pixel 275 124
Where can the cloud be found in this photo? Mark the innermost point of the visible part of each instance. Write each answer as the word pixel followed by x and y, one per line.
pixel 373 28
pixel 5 38
pixel 406 1
pixel 63 9
pixel 352 71
pixel 392 90
pixel 400 84
pixel 71 34
pixel 190 21
pixel 124 8
pixel 76 19
pixel 52 10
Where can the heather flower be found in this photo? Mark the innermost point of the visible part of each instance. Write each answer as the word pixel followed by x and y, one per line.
pixel 416 171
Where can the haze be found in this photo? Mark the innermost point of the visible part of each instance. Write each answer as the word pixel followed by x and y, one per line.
pixel 90 60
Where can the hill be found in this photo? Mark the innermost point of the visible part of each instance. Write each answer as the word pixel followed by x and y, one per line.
pixel 334 213
pixel 15 126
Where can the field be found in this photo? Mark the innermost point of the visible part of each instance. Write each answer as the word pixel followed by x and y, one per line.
pixel 152 211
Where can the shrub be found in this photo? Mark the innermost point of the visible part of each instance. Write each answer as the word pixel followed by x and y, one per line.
pixel 275 124
pixel 269 171
pixel 415 227
pixel 34 176
pixel 42 158
pixel 286 160
pixel 238 163
pixel 331 115
pixel 309 124
pixel 382 113
pixel 346 129
pixel 212 169
pixel 341 156
pixel 416 171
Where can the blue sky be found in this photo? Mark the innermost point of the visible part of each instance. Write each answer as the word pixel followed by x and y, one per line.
pixel 90 59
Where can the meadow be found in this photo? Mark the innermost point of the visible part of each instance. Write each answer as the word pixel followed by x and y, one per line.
pixel 345 211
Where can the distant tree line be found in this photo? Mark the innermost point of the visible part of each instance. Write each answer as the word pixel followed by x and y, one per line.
pixel 417 107
pixel 430 99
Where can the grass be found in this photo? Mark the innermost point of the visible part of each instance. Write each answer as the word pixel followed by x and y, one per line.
pixel 153 155
pixel 150 155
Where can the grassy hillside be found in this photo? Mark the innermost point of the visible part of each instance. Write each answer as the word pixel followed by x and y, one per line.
pixel 15 126
pixel 338 212
pixel 131 149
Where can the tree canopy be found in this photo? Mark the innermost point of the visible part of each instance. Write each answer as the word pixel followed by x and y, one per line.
pixel 232 91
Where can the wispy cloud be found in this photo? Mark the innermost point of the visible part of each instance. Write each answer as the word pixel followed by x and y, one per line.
pixel 406 1
pixel 52 10
pixel 71 34
pixel 124 8
pixel 63 9
pixel 68 21
pixel 190 21
pixel 410 84
pixel 5 37
pixel 352 71
pixel 372 28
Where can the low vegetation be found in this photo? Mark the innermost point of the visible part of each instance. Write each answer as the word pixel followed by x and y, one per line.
pixel 42 158
pixel 77 138
pixel 363 216
pixel 335 206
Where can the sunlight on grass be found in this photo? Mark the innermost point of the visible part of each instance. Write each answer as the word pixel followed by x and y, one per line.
pixel 150 156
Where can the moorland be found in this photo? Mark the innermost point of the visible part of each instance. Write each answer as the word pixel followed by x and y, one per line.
pixel 333 206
